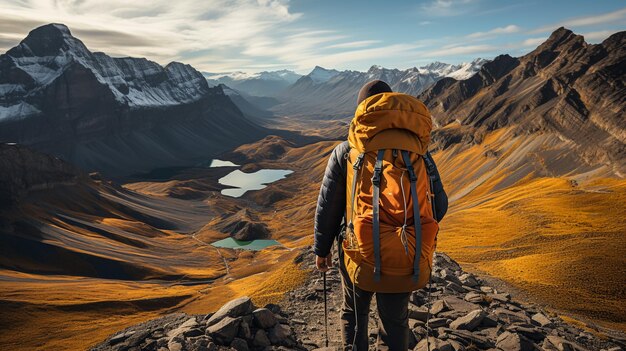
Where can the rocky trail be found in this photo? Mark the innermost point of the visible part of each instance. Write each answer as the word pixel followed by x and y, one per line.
pixel 465 314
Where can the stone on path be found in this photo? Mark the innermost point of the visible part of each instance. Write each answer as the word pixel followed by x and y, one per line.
pixel 470 321
pixel 233 308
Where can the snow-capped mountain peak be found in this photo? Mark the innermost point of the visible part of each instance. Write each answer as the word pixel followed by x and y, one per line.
pixel 50 52
pixel 467 69
pixel 321 74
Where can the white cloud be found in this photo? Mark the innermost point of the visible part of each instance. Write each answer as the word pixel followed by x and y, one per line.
pixel 444 8
pixel 532 42
pixel 165 31
pixel 605 18
pixel 500 30
pixel 353 44
pixel 361 55
pixel 463 50
pixel 599 35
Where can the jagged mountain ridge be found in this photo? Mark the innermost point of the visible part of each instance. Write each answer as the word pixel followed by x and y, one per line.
pixel 250 106
pixel 116 115
pixel 564 86
pixel 332 93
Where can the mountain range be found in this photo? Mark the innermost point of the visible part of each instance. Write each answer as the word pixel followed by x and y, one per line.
pixel 332 94
pixel 257 84
pixel 565 87
pixel 115 115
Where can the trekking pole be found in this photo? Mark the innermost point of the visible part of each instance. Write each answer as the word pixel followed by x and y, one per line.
pixel 428 304
pixel 325 308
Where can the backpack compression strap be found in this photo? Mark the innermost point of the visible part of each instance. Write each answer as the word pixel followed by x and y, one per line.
pixel 416 215
pixel 378 166
pixel 356 167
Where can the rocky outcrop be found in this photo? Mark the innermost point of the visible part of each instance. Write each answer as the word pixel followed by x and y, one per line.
pixel 460 312
pixel 243 225
pixel 115 115
pixel 22 170
pixel 237 325
pixel 565 86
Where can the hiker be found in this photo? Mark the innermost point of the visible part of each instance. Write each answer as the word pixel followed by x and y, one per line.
pixel 384 159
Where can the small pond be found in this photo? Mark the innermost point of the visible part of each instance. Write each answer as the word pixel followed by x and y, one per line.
pixel 245 245
pixel 251 181
pixel 221 163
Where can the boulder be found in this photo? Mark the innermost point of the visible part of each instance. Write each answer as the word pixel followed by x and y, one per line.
pixel 419 313
pixel 530 332
pixel 244 330
pixel 457 304
pixel 456 287
pixel 239 344
pixel 264 318
pixel 467 337
pixel 510 317
pixel 555 343
pixel 184 327
pixel 438 322
pixel 200 343
pixel 469 280
pixel 225 330
pixel 120 337
pixel 137 338
pixel 280 334
pixel 514 342
pixel 435 345
pixel 261 339
pixel 175 345
pixel 438 306
pixel 469 321
pixel 500 297
pixel 234 308
pixel 489 321
pixel 542 320
pixel 474 297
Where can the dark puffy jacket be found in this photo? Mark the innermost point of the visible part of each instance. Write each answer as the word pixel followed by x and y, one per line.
pixel 331 203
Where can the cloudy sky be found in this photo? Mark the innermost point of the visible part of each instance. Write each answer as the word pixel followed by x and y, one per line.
pixel 256 35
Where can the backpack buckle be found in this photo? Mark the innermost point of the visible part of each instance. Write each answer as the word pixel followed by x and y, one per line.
pixel 412 176
pixel 358 162
pixel 376 176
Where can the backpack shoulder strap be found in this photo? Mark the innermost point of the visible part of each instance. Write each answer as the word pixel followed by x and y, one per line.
pixel 416 215
pixel 432 175
pixel 378 167
pixel 430 166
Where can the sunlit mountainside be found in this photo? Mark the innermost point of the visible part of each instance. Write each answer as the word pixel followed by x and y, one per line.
pixel 111 198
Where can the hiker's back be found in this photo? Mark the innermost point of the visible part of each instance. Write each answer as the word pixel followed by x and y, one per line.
pixel 388 137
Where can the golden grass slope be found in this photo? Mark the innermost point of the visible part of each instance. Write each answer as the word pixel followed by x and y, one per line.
pixel 554 230
pixel 60 312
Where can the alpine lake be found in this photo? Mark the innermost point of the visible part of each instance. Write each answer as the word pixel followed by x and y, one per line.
pixel 242 182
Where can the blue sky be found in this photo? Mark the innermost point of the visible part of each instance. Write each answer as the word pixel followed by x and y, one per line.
pixel 256 35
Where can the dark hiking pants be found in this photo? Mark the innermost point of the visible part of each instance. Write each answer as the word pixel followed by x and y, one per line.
pixel 393 327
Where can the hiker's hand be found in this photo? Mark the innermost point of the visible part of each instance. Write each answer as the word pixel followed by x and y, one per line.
pixel 324 263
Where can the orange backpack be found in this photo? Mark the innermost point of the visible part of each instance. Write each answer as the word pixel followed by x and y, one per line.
pixel 391 231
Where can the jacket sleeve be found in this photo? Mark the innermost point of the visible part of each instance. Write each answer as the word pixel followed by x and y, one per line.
pixel 441 198
pixel 331 202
